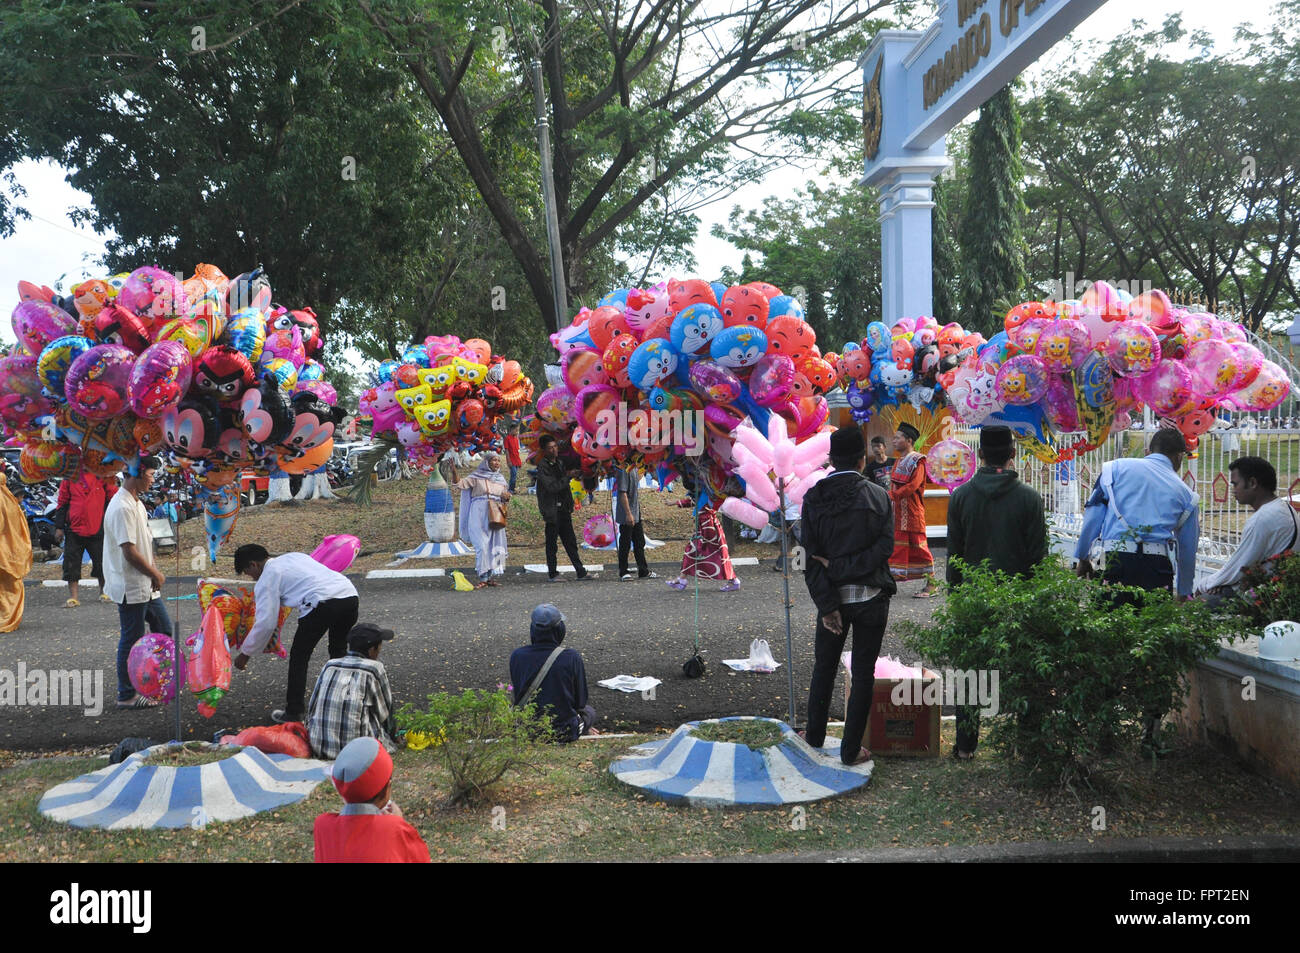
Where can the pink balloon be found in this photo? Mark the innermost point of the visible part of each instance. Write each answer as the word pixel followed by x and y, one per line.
pixel 715 383
pixel 98 381
pixel 151 667
pixel 1132 349
pixel 1249 363
pixel 950 463
pixel 1022 380
pixel 337 552
pixel 1059 406
pixel 1268 390
pixel 1214 367
pixel 1063 346
pixel 771 380
pixel 1168 390
pixel 160 378
pixel 37 323
pixel 555 408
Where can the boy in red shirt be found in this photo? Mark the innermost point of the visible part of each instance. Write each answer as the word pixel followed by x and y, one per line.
pixel 512 452
pixel 82 501
pixel 370 829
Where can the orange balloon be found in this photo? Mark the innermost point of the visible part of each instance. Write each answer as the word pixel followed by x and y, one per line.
pixel 313 458
pixel 480 347
pixel 148 435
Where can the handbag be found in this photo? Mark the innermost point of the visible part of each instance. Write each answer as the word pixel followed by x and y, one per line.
pixel 498 513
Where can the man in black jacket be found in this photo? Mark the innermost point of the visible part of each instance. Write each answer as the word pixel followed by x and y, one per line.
pixel 555 503
pixel 848 535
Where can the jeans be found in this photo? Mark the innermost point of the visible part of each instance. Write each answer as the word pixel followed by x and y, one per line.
pixel 337 616
pixel 561 529
pixel 632 536
pixel 132 619
pixel 514 473
pixel 867 621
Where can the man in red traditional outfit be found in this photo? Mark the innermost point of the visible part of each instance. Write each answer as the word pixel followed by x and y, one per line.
pixel 912 558
pixel 370 829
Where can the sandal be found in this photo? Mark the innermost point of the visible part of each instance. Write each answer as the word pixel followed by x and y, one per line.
pixel 731 586
pixel 71 604
pixel 864 755
pixel 924 594
pixel 137 703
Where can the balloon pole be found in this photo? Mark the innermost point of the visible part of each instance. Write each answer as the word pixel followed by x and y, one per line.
pixel 785 583
pixel 177 648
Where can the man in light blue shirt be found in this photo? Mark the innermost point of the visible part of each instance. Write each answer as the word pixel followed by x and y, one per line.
pixel 1144 515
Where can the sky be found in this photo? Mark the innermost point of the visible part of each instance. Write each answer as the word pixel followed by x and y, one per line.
pixel 49 247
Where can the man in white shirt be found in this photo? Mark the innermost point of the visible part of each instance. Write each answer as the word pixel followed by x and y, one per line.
pixel 325 600
pixel 130 577
pixel 1271 529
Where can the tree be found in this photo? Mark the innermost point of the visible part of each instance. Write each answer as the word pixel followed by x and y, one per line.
pixel 639 101
pixel 1180 173
pixel 825 242
pixel 992 250
pixel 248 133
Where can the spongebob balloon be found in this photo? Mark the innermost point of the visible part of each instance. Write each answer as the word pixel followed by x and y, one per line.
pixel 411 399
pixel 434 419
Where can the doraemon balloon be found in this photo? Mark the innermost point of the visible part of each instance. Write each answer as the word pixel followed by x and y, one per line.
pixel 739 347
pixel 651 362
pixel 694 329
pixel 784 304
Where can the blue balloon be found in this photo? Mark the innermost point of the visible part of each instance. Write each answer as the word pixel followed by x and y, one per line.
pixel 653 361
pixel 878 338
pixel 694 329
pixel 784 304
pixel 616 298
pixel 850 346
pixel 384 373
pixel 416 354
pixel 741 346
pixel 719 289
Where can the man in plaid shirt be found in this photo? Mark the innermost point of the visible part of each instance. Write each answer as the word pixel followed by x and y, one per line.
pixel 352 697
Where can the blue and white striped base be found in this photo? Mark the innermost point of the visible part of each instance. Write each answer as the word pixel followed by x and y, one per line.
pixel 136 795
pixel 683 768
pixel 457 547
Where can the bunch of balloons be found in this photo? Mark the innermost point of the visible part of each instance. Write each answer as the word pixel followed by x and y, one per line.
pixel 909 362
pixel 207 371
pixel 1082 367
pixel 639 372
pixel 444 394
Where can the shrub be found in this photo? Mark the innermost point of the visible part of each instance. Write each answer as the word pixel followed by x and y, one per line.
pixel 756 733
pixel 1077 672
pixel 1270 591
pixel 479 737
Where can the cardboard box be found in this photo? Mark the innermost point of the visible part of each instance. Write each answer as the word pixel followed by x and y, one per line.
pixel 903 731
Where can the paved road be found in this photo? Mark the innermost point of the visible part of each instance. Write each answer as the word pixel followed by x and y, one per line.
pixel 452 641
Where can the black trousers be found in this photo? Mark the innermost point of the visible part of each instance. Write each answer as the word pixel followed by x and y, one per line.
pixel 867 621
pixel 1148 571
pixel 74 545
pixel 561 529
pixel 336 616
pixel 632 536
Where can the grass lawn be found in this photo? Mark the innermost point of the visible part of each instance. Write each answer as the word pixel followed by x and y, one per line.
pixel 572 809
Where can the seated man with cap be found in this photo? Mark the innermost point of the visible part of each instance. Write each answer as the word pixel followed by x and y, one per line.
pixel 370 829
pixel 553 677
pixel 352 698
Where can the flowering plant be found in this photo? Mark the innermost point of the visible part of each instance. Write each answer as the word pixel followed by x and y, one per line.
pixel 1270 591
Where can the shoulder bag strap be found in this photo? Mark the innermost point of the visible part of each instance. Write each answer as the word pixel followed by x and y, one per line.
pixel 536 683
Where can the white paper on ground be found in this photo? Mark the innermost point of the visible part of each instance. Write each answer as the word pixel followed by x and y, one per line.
pixel 630 683
pixel 745 665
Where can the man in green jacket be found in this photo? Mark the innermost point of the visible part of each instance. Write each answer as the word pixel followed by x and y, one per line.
pixel 993 518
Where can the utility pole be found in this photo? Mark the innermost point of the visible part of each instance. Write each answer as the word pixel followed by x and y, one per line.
pixel 548 193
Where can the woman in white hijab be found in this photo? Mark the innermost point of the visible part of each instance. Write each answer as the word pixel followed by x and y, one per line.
pixel 487 491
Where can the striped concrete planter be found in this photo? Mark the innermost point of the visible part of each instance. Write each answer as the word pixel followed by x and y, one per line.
pixel 135 795
pixel 682 768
